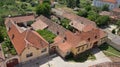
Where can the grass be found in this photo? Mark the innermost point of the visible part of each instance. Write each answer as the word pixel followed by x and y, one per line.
pixel 109 50
pixel 49 36
pixel 8 48
pixel 81 57
pixel 65 23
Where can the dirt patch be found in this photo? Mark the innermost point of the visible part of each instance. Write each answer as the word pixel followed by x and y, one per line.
pixel 115 59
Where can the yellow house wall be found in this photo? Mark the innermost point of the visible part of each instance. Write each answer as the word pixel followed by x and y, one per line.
pixel 36 53
pixel 75 50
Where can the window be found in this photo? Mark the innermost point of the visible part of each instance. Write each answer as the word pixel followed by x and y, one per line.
pixel 78 49
pixel 86 45
pixel 96 37
pixel 29 55
pixel 82 47
pixel 44 50
pixel 88 39
pixel 65 38
pixel 9 28
pixel 12 36
pixel 71 23
pixel 90 44
pixel 57 33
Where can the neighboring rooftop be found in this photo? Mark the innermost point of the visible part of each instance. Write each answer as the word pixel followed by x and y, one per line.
pixel 77 22
pixel 22 39
pixel 52 26
pixel 116 10
pixel 107 64
pixel 22 19
pixel 106 13
pixel 111 1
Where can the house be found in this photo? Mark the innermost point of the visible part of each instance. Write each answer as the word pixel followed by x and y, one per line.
pixel 27 43
pixel 86 36
pixel 30 45
pixel 115 13
pixel 112 3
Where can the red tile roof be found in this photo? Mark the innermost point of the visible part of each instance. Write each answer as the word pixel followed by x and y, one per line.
pixel 21 40
pixel 102 33
pixel 36 40
pixel 111 1
pixel 18 40
pixel 64 47
pixel 76 21
pixel 22 19
pixel 75 39
pixel 39 25
pixel 116 10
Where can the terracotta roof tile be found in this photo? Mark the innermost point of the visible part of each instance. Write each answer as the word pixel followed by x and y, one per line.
pixel 116 10
pixel 52 26
pixel 22 19
pixel 111 1
pixel 39 25
pixel 76 21
pixel 21 40
pixel 64 47
pixel 36 40
pixel 17 39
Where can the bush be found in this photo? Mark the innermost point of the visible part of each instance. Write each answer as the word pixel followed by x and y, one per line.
pixel 92 15
pixel 82 13
pixel 113 31
pixel 102 20
pixel 23 5
pixel 118 23
pixel 43 9
pixel 105 7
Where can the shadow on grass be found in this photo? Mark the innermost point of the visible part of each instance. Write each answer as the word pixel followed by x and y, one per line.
pixel 87 55
pixel 104 46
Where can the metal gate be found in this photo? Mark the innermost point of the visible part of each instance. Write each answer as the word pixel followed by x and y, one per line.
pixel 12 63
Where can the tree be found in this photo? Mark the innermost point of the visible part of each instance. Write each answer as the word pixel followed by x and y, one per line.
pixel 24 6
pixel 1 21
pixel 46 1
pixel 88 7
pixel 92 15
pixel 102 20
pixel 1 37
pixel 118 23
pixel 43 9
pixel 113 31
pixel 3 33
pixel 82 13
pixel 105 7
pixel 71 3
pixel 77 3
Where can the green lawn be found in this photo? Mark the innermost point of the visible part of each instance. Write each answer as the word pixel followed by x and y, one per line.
pixel 49 36
pixel 109 50
pixel 81 57
pixel 8 48
pixel 65 23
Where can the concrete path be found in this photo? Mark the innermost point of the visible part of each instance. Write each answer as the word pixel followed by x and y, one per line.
pixel 98 54
pixel 58 62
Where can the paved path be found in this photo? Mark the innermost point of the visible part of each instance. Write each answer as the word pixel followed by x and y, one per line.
pixel 98 54
pixel 113 40
pixel 58 62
